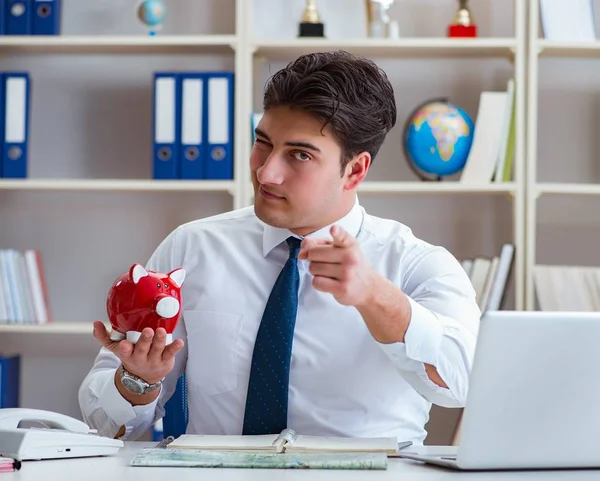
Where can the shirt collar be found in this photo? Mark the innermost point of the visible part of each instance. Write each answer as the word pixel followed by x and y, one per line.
pixel 351 223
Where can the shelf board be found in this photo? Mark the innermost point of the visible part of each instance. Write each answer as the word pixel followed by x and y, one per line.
pixel 405 47
pixel 551 48
pixel 49 328
pixel 417 187
pixel 42 44
pixel 381 187
pixel 118 185
pixel 568 189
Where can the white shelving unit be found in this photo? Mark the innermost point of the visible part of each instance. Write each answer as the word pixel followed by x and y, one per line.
pixel 514 49
pixel 49 328
pixel 567 188
pixel 119 185
pixel 67 347
pixel 249 50
pixel 401 48
pixel 415 188
pixel 541 50
pixel 138 44
pixel 551 48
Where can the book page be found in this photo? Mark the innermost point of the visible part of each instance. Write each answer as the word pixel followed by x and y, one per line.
pixel 342 444
pixel 224 443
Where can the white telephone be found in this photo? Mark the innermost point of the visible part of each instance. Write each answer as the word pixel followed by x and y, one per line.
pixel 61 436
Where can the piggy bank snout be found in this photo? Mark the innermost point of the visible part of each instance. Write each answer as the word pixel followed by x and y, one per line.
pixel 167 307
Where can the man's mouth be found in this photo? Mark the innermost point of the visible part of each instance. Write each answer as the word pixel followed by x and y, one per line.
pixel 268 194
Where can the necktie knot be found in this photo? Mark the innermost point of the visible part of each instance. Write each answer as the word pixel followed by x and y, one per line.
pixel 294 245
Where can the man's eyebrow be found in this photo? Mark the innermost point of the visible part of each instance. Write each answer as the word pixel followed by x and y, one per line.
pixel 305 145
pixel 257 131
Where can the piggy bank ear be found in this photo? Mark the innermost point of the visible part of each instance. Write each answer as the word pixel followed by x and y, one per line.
pixel 137 272
pixel 177 276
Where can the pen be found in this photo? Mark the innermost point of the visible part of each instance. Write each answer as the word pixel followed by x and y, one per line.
pixel 164 442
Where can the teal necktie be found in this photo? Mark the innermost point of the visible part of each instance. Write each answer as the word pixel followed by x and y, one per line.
pixel 267 400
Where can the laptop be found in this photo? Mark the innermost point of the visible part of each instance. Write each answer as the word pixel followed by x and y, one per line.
pixel 534 395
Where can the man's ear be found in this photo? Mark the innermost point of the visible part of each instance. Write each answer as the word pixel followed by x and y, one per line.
pixel 356 170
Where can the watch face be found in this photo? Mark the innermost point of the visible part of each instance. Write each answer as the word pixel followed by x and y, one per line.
pixel 132 385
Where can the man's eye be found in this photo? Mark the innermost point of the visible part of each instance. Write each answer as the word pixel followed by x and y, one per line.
pixel 301 156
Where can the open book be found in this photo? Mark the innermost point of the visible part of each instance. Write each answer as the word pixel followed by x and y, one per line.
pixel 288 441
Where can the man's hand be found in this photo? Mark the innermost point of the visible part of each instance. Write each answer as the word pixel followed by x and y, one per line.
pixel 339 267
pixel 149 358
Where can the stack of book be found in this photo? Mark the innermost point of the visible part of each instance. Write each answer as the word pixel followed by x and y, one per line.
pixel 491 155
pixel 23 290
pixel 489 276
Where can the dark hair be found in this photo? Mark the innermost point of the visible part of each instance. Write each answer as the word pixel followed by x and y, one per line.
pixel 351 94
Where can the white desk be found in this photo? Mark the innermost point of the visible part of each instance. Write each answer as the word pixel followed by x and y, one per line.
pixel 115 468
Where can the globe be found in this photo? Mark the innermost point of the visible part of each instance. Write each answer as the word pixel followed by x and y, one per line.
pixel 437 139
pixel 152 13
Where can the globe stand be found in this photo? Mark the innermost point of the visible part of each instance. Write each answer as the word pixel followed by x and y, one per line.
pixel 425 177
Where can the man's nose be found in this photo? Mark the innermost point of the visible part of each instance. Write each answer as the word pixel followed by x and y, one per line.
pixel 271 172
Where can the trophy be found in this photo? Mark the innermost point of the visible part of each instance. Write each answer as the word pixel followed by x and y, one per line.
pixel 311 25
pixel 463 25
pixel 379 24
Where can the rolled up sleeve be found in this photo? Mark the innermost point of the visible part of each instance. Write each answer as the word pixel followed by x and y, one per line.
pixel 442 330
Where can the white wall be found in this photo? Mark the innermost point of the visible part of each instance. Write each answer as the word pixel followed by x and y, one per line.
pixel 91 118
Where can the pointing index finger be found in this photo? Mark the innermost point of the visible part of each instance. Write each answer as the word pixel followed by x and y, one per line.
pixel 341 238
pixel 308 243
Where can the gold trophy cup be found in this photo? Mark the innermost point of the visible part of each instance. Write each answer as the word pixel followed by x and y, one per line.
pixel 463 25
pixel 311 24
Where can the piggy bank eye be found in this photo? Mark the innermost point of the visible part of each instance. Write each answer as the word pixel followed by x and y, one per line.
pixel 158 285
pixel 166 286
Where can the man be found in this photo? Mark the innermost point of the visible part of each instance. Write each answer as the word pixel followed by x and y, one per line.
pixel 303 311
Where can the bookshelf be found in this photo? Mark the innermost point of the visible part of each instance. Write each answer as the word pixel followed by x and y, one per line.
pixel 250 52
pixel 552 48
pixel 117 44
pixel 110 194
pixel 508 46
pixel 563 185
pixel 60 328
pixel 400 48
pixel 384 187
pixel 118 185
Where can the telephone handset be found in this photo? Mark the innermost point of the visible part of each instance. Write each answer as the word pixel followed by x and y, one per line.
pixel 60 437
pixel 10 418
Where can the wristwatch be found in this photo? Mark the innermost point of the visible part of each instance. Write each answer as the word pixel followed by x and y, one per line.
pixel 135 384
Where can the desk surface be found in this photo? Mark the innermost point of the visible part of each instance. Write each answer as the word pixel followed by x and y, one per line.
pixel 116 468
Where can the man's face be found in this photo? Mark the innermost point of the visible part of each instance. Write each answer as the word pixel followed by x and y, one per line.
pixel 295 166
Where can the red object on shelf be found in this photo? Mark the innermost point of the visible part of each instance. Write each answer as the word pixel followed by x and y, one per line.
pixel 462 31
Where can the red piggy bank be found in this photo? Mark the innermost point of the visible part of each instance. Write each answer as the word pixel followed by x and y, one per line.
pixel 141 298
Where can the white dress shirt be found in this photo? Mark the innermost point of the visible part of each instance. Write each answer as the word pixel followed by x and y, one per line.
pixel 342 381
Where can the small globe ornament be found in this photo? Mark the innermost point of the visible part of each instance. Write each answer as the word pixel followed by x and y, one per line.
pixel 437 139
pixel 152 13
